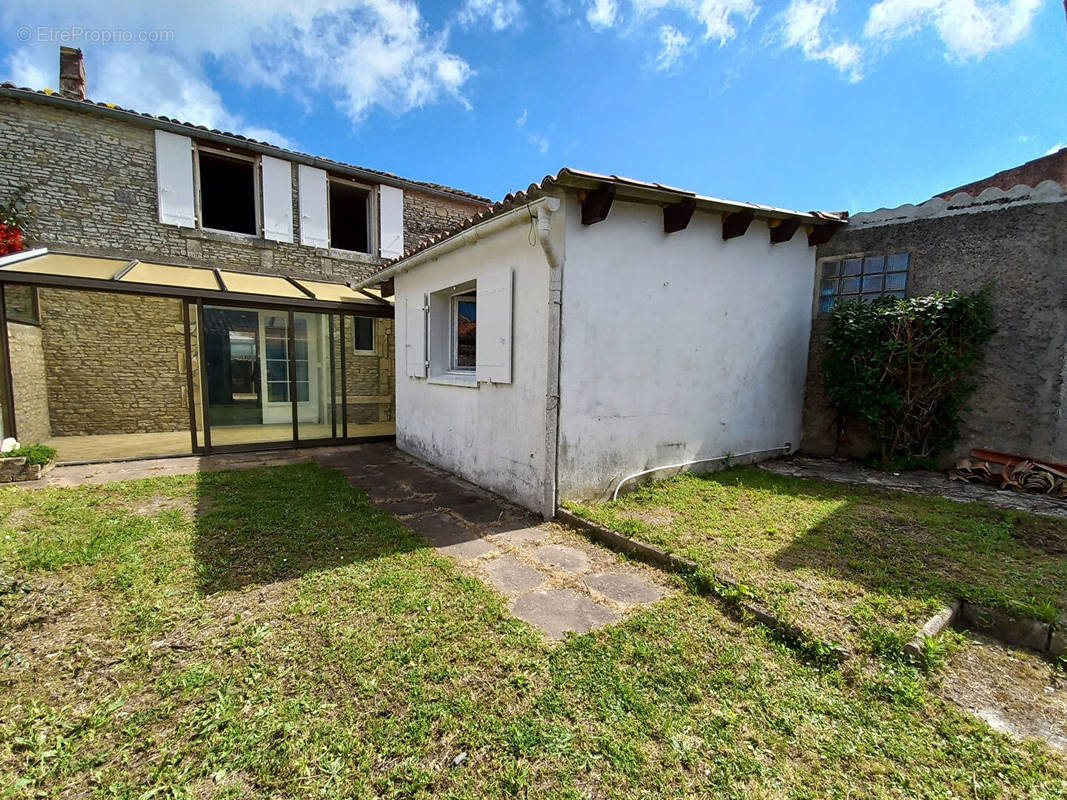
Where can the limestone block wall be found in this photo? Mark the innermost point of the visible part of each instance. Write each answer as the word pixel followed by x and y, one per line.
pixel 114 363
pixel 1020 405
pixel 90 182
pixel 28 376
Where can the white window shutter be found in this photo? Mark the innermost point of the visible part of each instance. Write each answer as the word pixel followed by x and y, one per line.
pixel 314 214
pixel 277 199
pixel 391 221
pixel 493 334
pixel 415 337
pixel 174 179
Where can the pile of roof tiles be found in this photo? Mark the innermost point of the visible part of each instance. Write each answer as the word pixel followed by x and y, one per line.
pixel 1021 476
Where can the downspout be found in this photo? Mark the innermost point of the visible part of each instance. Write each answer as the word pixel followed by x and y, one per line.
pixel 554 258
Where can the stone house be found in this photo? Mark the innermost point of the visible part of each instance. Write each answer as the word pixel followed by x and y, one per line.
pixel 94 358
pixel 1008 230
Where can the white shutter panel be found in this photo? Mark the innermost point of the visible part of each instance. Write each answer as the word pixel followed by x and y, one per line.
pixel 493 334
pixel 277 199
pixel 174 179
pixel 391 221
pixel 314 221
pixel 415 337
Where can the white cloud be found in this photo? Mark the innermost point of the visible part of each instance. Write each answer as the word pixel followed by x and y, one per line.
pixel 1055 148
pixel 802 27
pixel 500 13
pixel 970 29
pixel 602 13
pixel 359 54
pixel 673 43
pixel 716 17
pixel 540 142
pixel 525 115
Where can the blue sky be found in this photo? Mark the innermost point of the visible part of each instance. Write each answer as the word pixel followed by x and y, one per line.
pixel 799 103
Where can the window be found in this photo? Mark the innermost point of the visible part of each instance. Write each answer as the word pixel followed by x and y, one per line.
pixel 363 336
pixel 228 192
pixel 350 212
pixel 463 325
pixel 862 277
pixel 21 304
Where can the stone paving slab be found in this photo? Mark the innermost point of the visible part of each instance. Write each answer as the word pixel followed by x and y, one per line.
pixel 452 537
pixel 562 557
pixel 624 587
pixel 557 611
pixel 511 576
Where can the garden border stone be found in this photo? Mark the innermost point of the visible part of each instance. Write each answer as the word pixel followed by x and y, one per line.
pixel 714 586
pixel 934 626
pixel 15 469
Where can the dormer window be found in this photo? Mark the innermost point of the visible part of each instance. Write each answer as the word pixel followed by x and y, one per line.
pixel 227 191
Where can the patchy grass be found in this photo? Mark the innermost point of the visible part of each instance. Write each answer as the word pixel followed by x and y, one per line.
pixel 269 634
pixel 860 566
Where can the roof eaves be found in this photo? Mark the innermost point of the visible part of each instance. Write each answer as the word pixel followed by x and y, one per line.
pixel 178 126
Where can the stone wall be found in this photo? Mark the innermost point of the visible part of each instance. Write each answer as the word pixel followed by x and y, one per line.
pixel 28 377
pixel 90 184
pixel 426 215
pixel 1019 404
pixel 115 363
pixel 369 378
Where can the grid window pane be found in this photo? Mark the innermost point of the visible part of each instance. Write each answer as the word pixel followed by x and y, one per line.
pixel 852 266
pixel 872 264
pixel 826 304
pixel 872 283
pixel 849 286
pixel 831 269
pixel 895 281
pixel 897 262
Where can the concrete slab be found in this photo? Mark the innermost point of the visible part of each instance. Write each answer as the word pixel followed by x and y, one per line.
pixel 511 576
pixel 624 587
pixel 565 558
pixel 522 537
pixel 406 506
pixel 450 537
pixel 480 512
pixel 556 611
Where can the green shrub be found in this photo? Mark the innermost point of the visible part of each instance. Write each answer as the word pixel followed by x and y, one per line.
pixel 905 367
pixel 34 453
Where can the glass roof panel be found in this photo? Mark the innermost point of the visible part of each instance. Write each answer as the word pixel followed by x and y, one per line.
pixel 269 285
pixel 70 266
pixel 169 275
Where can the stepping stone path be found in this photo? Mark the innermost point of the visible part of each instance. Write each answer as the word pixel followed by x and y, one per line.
pixel 554 578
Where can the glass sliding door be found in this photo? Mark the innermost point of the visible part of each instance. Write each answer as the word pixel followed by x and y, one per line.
pixel 246 374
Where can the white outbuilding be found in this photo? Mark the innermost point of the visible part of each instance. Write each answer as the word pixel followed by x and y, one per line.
pixel 594 327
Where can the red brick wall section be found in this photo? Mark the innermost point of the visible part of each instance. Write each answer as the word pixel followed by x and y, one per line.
pixel 1052 167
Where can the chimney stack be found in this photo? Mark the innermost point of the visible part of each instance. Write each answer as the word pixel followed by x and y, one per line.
pixel 71 73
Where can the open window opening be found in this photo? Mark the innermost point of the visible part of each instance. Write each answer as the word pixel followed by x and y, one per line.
pixel 227 192
pixel 350 212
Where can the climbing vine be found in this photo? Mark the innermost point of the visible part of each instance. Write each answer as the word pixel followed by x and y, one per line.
pixel 906 366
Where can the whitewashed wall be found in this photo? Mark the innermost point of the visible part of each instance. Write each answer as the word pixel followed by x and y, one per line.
pixel 677 346
pixel 492 435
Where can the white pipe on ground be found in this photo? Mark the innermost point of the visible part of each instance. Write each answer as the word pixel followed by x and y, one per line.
pixel 615 496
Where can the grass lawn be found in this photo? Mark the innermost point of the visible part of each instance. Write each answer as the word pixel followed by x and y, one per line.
pixel 863 567
pixel 269 634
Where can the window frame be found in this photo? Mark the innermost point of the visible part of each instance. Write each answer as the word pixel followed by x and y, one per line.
pixel 373 337
pixel 257 188
pixel 468 296
pixel 863 254
pixel 36 300
pixel 372 214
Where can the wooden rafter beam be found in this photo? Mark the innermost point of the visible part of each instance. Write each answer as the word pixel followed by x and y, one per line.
pixel 386 288
pixel 597 203
pixel 784 230
pixel 820 234
pixel 676 216
pixel 736 223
